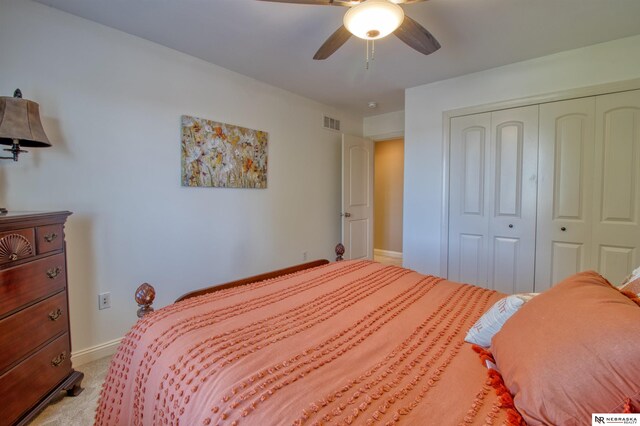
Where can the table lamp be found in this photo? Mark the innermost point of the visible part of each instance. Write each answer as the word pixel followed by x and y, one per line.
pixel 20 126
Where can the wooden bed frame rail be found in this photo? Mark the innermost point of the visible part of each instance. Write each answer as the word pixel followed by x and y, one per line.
pixel 146 294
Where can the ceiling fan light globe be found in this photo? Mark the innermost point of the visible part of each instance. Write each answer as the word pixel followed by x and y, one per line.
pixel 373 19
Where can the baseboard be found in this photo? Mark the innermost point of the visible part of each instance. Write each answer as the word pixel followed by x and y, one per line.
pixel 388 253
pixel 85 356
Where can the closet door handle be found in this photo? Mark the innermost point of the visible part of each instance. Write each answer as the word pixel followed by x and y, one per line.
pixel 564 228
pixel 511 225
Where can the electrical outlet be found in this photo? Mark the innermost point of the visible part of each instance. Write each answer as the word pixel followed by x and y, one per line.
pixel 104 300
pixel 304 256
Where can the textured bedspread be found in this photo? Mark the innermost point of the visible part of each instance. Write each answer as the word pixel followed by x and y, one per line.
pixel 346 343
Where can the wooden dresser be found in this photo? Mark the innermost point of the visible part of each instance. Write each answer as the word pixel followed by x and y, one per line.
pixel 35 344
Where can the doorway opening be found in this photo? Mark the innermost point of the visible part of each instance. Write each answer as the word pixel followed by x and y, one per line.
pixel 388 190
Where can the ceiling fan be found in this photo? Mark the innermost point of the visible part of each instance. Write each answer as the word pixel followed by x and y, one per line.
pixel 372 20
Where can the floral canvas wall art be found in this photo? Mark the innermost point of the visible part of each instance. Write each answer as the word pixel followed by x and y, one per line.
pixel 222 155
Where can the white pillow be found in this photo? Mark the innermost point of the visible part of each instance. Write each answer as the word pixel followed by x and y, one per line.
pixel 492 321
pixel 632 277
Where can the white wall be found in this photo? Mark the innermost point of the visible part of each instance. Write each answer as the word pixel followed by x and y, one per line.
pixel 111 105
pixel 603 63
pixel 384 126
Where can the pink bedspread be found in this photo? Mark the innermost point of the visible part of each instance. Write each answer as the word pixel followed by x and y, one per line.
pixel 346 343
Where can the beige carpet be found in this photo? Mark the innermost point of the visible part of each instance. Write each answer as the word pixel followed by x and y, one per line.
pixel 79 410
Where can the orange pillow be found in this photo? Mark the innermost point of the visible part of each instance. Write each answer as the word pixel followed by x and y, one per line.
pixel 572 351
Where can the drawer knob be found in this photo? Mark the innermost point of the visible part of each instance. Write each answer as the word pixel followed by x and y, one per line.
pixel 54 315
pixel 59 359
pixel 50 237
pixel 54 272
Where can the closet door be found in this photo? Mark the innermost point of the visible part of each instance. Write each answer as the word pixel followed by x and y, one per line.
pixel 512 194
pixel 616 227
pixel 492 207
pixel 565 188
pixel 469 206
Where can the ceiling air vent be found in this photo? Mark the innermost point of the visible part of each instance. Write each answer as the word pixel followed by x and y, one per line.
pixel 331 123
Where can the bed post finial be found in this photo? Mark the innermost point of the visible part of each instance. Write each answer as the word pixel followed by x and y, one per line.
pixel 339 252
pixel 145 294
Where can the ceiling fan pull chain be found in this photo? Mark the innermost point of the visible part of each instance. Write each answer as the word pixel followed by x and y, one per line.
pixel 367 65
pixel 371 58
pixel 373 50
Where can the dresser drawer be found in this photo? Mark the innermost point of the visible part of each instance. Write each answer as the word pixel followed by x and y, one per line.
pixel 17 245
pixel 32 281
pixel 25 384
pixel 31 327
pixel 49 238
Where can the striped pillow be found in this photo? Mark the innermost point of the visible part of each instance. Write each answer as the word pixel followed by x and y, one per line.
pixel 493 320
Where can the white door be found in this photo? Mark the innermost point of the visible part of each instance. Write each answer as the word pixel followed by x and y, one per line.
pixel 468 204
pixel 565 188
pixel 513 195
pixel 492 199
pixel 616 208
pixel 357 197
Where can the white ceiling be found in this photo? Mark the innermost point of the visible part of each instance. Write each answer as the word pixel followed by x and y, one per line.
pixel 275 42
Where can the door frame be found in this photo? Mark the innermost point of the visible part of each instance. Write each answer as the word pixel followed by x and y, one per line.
pixel 379 137
pixel 562 95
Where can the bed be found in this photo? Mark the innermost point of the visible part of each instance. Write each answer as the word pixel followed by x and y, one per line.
pixel 351 342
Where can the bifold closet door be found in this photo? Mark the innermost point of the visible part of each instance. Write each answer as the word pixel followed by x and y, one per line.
pixel 492 192
pixel 513 193
pixel 616 208
pixel 565 188
pixel 470 140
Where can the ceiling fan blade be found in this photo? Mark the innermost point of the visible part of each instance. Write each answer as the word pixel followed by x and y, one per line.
pixel 333 43
pixel 417 37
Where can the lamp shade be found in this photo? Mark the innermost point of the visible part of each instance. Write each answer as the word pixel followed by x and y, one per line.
pixel 373 19
pixel 20 119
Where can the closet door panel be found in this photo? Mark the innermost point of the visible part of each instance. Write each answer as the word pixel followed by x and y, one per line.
pixel 618 148
pixel 472 256
pixel 566 260
pixel 614 261
pixel 616 230
pixel 565 187
pixel 506 265
pixel 468 205
pixel 508 168
pixel 513 191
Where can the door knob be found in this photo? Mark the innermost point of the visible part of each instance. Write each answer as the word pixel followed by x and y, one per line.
pixel 347 214
pixel 564 228
pixel 511 225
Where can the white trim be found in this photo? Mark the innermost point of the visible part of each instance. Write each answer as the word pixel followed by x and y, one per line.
pixel 386 136
pixel 85 356
pixel 444 219
pixel 562 95
pixel 388 253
